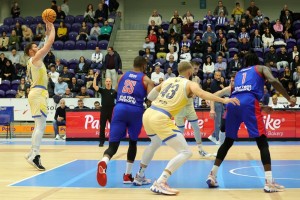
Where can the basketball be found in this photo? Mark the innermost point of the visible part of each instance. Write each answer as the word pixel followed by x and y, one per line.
pixel 49 15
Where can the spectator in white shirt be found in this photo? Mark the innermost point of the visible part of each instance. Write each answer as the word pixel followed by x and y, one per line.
pixel 275 102
pixel 185 55
pixel 155 17
pixel 95 32
pixel 156 75
pixel 169 73
pixel 173 53
pixel 208 67
pixel 221 66
pixel 14 58
pixel 97 59
pixel 65 7
pixel 53 74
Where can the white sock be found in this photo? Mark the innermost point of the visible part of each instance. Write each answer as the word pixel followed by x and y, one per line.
pixel 105 159
pixel 269 177
pixel 141 172
pixel 37 135
pixel 199 147
pixel 128 168
pixel 163 177
pixel 214 170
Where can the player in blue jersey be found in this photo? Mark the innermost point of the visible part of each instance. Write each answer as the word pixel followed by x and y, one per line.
pixel 249 89
pixel 132 89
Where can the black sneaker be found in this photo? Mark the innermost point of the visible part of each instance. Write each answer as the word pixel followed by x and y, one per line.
pixel 36 162
pixel 101 144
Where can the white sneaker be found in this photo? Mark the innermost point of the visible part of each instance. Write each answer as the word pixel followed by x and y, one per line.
pixel 212 181
pixel 163 188
pixel 57 137
pixel 204 153
pixel 139 181
pixel 213 139
pixel 214 154
pixel 273 187
pixel 64 137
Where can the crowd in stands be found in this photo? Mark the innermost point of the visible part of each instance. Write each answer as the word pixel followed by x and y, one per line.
pixel 219 41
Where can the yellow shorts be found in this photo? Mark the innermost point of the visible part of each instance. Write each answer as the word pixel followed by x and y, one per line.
pixel 158 123
pixel 187 112
pixel 37 99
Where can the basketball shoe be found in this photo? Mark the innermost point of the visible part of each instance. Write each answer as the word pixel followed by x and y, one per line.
pixel 127 178
pixel 273 187
pixel 36 162
pixel 204 153
pixel 163 188
pixel 101 173
pixel 212 181
pixel 139 180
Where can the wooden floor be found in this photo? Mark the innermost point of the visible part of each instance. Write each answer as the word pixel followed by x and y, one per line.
pixel 13 168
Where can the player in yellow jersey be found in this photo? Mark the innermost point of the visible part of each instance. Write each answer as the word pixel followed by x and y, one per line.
pixel 168 99
pixel 38 94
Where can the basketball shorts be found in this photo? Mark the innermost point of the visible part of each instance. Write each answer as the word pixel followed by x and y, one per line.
pixel 126 118
pixel 37 99
pixel 248 112
pixel 158 122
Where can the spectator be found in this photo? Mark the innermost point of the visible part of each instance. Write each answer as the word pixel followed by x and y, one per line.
pixel 208 67
pixel 97 105
pixel 100 14
pixel 221 20
pixel 68 94
pixel 234 65
pixel 173 43
pixel 149 56
pixel 287 16
pixel 243 34
pixel 206 85
pixel 89 14
pixel 152 26
pixel 171 52
pixel 175 26
pixel 97 59
pixel 220 8
pixel 296 77
pixel 105 31
pixel 287 77
pixel 275 102
pixel 237 12
pixel 197 47
pixel 177 17
pixel 267 38
pixel 278 29
pixel 208 33
pixel 293 104
pixel 155 17
pixel 185 55
pixel 156 75
pixel 15 10
pixel 161 49
pixel 65 7
pixel 62 32
pixel 284 9
pixel 89 79
pixel 4 41
pixel 152 37
pixel 54 6
pixel 210 53
pixel 18 30
pixel 58 66
pixel 61 15
pixel 161 34
pixel 266 24
pixel 113 65
pixel 23 61
pixel 174 35
pixel 209 20
pixel 295 62
pixel 188 29
pixel 147 44
pixel 185 42
pixel 81 69
pixel 105 7
pixel 66 76
pixel 282 58
pixel 39 32
pixel 50 87
pixel 14 41
pixel 60 118
pixel 221 66
pixel 53 74
pixel 260 17
pixel 188 17
pixel 49 59
pixel 271 56
pixel 95 32
pixel 15 60
pixel 256 39
pixel 220 35
pixel 60 87
pixel 253 9
pixel 83 32
pixel 21 89
pixel 27 33
pixel 291 89
pixel 210 43
pixel 244 23
pixel 244 47
pixel 232 29
pixel 80 105
pixel 8 71
pixel 74 86
pixel 288 30
pixel 83 93
pixel 173 64
pixel 113 6
pixel 169 73
pixel 222 48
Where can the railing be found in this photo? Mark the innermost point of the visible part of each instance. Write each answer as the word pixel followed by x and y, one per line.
pixel 113 34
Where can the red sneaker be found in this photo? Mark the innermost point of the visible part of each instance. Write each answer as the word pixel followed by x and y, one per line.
pixel 127 179
pixel 101 173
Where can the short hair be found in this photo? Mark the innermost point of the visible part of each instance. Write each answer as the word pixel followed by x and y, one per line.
pixel 139 62
pixel 184 66
pixel 28 47
pixel 96 102
pixel 251 59
pixel 80 100
pixel 195 63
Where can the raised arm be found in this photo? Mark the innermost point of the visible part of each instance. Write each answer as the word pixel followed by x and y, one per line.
pixel 95 86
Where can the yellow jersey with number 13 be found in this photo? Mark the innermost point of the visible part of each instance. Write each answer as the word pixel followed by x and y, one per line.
pixel 172 97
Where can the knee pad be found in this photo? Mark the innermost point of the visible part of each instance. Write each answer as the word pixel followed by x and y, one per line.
pixel 112 149
pixel 131 153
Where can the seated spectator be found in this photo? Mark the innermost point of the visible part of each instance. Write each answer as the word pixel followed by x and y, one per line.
pixel 294 53
pixel 39 32
pixel 271 56
pixel 208 67
pixel 244 47
pixel 287 77
pixel 295 63
pixel 220 35
pixel 266 97
pixel 50 87
pixel 204 104
pixel 97 105
pixel 105 31
pixel 83 32
pixel 288 30
pixel 60 87
pixel 232 29
pixel 221 20
pixel 209 33
pixel 89 79
pixel 149 56
pixel 173 64
pixel 18 30
pixel 282 58
pixel 187 17
pixel 49 59
pixel 209 52
pixel 156 75
pixel 155 17
pixel 185 55
pixel 68 94
pixel 14 57
pixel 53 74
pixel 275 102
pixel 210 43
pixel 83 93
pixel 206 85
pixel 244 23
pixel 160 81
pixel 54 6
pixel 82 69
pixel 60 15
pixel 80 105
pixel 174 35
pixel 175 26
pixel 161 49
pixel 243 34
pixel 95 32
pixel 89 14
pixel 13 42
pixel 15 10
pixel 21 89
pixel 97 59
pixel 188 29
pixel 185 42
pixel 221 66
pixel 209 19
pixel 153 27
pixel 74 86
pixel 197 47
pixel 237 12
pixel 66 76
pixel 278 29
pixel 147 44
pixel 171 52
pixel 100 14
pixel 152 37
pixel 4 41
pixel 173 43
pixel 296 77
pixel 291 89
pixel 234 65
pixel 8 71
pixel 27 33
pixel 260 17
pixel 177 17
pixel 60 118
pixel 266 24
pixel 222 48
pixel 220 8
pixel 287 16
pixel 62 32
pixel 256 39
pixel 58 66
pixel 169 73
pixel 293 104
pixel 161 34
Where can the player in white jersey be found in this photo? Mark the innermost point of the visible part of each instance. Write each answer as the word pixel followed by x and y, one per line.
pixel 38 94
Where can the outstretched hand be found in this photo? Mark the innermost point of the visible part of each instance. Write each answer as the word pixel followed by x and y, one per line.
pixel 234 101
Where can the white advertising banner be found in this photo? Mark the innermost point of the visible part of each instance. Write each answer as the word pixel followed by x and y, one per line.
pixel 22 108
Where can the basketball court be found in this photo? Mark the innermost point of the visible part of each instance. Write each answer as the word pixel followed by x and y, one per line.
pixel 71 172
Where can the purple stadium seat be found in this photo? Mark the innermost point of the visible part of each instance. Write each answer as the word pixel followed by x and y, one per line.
pixel 56 26
pixel 88 62
pixel 91 45
pixel 198 60
pixel 165 25
pixel 64 62
pixel 28 20
pixel 296 25
pixel 71 71
pixel 103 44
pixel 8 21
pixel 275 72
pixel 261 60
pixel 73 35
pixel 11 27
pixel 33 27
pixel 266 50
pixel 73 63
pixel 232 43
pixel 5 85
pixel 19 19
pixel 15 84
pixel 79 19
pixel 69 19
pixel 23 44
pixel 278 50
pixel 38 19
pixel 233 51
pixel 4 28
pixel 90 25
pixel 2 94
pixel 290 43
pixel 69 45
pixel 10 94
pixel 69 26
pixel 90 92
pixel 81 45
pixel 58 45
pixel 76 27
pixel 259 52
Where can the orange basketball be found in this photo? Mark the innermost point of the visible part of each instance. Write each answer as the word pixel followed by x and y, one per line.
pixel 49 15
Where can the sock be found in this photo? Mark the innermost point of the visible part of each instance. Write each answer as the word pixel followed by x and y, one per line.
pixel 214 170
pixel 128 168
pixel 37 135
pixel 269 177
pixel 141 172
pixel 199 146
pixel 105 159
pixel 164 177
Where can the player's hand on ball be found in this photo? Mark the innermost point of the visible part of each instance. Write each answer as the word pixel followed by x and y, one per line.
pixel 234 101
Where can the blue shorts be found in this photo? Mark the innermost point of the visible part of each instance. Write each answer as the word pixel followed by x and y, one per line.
pixel 126 118
pixel 248 112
